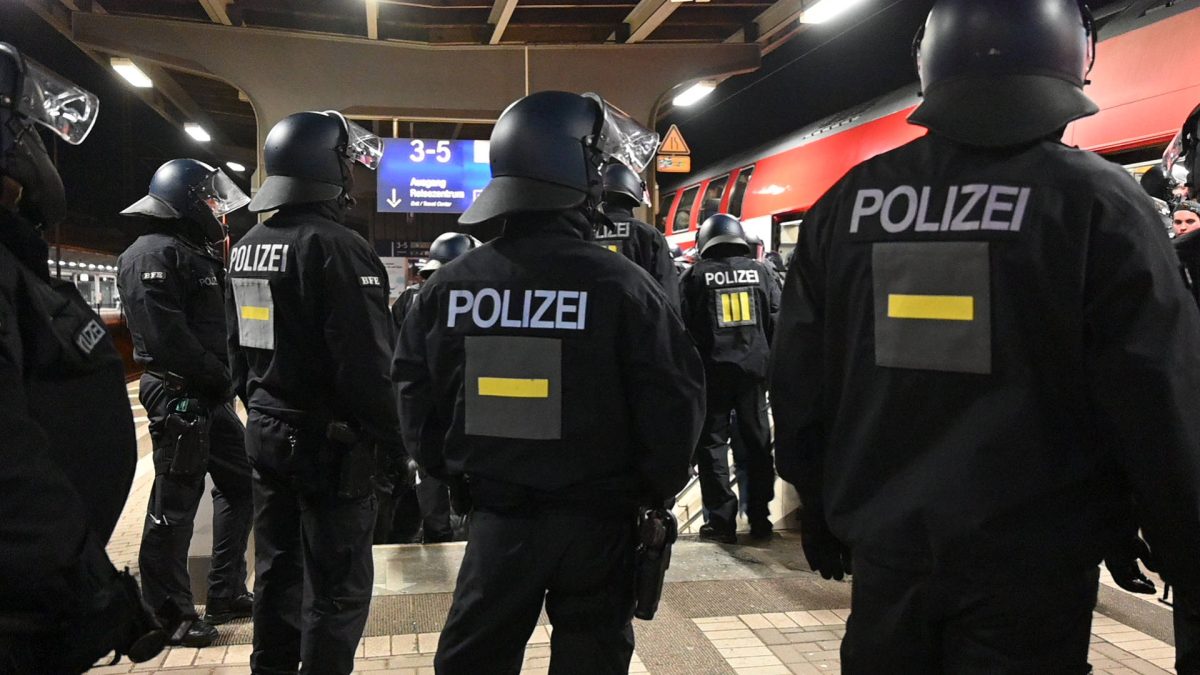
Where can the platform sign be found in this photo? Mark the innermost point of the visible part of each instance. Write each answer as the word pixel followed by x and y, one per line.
pixel 419 175
pixel 674 164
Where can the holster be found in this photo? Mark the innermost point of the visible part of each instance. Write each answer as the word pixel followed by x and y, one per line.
pixel 337 459
pixel 657 532
pixel 185 439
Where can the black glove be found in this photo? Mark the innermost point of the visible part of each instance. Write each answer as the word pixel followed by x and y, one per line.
pixel 826 555
pixel 107 615
pixel 1123 565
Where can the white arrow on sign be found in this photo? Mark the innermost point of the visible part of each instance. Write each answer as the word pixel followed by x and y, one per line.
pixel 394 201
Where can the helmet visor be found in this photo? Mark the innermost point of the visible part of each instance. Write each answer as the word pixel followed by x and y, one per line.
pixel 1173 153
pixel 221 194
pixel 362 146
pixel 57 104
pixel 623 139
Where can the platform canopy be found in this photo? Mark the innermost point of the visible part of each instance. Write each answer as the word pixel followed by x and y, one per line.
pixel 234 67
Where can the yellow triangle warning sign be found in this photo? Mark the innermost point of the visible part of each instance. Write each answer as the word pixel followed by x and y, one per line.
pixel 674 144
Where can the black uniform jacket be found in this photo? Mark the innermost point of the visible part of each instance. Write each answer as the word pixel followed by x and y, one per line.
pixel 976 348
pixel 541 360
pixel 309 327
pixel 729 306
pixel 644 245
pixel 67 446
pixel 402 304
pixel 173 293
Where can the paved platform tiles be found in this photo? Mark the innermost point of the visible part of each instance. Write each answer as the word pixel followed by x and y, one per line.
pixel 775 643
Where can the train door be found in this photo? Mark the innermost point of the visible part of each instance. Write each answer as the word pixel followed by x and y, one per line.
pixel 785 231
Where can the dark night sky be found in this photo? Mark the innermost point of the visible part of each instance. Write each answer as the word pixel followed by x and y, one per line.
pixel 112 168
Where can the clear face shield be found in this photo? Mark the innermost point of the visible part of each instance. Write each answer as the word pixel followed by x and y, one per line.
pixel 362 146
pixel 1172 154
pixel 623 139
pixel 221 194
pixel 57 104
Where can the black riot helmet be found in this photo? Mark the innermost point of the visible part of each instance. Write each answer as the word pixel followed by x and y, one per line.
pixel 998 73
pixel 309 156
pixel 445 248
pixel 188 189
pixel 1184 147
pixel 547 150
pixel 622 186
pixel 29 94
pixel 721 229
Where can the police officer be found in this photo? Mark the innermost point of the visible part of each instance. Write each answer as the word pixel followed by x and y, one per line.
pixel 558 379
pixel 68 450
pixel 432 493
pixel 310 341
pixel 172 284
pixel 624 191
pixel 729 306
pixel 983 341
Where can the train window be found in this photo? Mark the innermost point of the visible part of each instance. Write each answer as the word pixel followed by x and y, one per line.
pixel 683 212
pixel 739 192
pixel 664 210
pixel 712 198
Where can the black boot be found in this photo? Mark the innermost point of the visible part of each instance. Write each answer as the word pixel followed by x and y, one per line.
pixel 193 633
pixel 224 610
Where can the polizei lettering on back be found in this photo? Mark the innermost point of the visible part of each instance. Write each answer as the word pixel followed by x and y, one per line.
pixel 616 230
pixel 731 278
pixel 259 258
pixel 538 310
pixel 957 208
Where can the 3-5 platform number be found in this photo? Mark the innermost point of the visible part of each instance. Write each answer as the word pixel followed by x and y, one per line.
pixel 421 152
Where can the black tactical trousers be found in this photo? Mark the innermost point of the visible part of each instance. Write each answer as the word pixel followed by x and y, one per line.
pixel 580 565
pixel 905 622
pixel 434 498
pixel 743 395
pixel 1187 633
pixel 313 567
pixel 171 513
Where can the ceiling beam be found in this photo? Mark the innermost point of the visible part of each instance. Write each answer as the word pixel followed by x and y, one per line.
pixel 372 7
pixel 777 17
pixel 647 16
pixel 217 11
pixel 502 12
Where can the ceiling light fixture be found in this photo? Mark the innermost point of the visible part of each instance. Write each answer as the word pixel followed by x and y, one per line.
pixel 826 10
pixel 694 93
pixel 132 74
pixel 197 132
pixel 235 167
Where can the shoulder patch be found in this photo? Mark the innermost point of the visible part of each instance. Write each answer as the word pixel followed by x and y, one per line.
pixel 375 282
pixel 89 336
pixel 154 276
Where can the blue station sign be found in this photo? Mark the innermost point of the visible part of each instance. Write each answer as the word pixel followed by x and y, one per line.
pixel 418 175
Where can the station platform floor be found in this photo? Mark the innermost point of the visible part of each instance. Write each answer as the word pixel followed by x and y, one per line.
pixel 727 609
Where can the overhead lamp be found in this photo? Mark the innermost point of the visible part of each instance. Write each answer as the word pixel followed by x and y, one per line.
pixel 132 74
pixel 234 166
pixel 825 10
pixel 694 93
pixel 197 132
pixel 71 264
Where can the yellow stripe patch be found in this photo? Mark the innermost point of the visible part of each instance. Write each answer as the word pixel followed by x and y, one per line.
pixel 256 313
pixel 744 297
pixel 935 307
pixel 507 387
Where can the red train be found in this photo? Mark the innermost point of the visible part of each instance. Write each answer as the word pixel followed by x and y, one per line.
pixel 1146 81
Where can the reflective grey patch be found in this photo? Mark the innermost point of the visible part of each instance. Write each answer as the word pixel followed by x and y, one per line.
pixel 513 387
pixel 933 306
pixel 255 313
